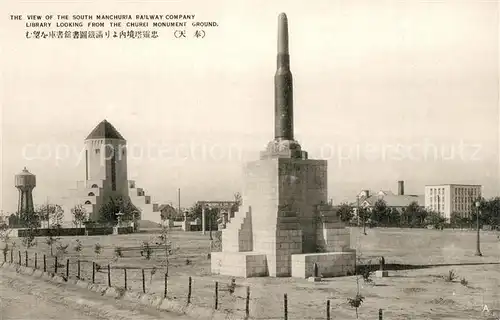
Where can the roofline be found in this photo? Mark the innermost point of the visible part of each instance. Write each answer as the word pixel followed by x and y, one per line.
pixel 454 184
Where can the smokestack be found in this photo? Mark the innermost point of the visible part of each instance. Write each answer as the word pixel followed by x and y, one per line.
pixel 401 188
pixel 283 86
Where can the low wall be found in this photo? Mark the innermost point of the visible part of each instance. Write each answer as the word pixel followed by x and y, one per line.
pixel 330 264
pixel 66 232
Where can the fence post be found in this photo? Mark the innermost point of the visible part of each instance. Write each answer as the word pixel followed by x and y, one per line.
pixel 216 295
pixel 125 273
pixel 189 290
pixel 44 263
pixel 109 276
pixel 19 253
pixel 36 261
pixel 93 272
pixel 327 309
pixel 26 257
pixel 285 306
pixel 166 286
pixel 379 314
pixel 55 265
pixel 67 269
pixel 247 303
pixel 78 270
pixel 11 256
pixel 143 282
pixel 5 256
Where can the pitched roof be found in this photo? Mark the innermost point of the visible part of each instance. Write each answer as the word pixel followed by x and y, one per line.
pixel 397 200
pixel 105 130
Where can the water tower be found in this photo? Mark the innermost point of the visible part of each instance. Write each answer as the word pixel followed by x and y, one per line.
pixel 25 183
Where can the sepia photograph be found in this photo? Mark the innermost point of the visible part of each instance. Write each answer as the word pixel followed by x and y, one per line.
pixel 225 160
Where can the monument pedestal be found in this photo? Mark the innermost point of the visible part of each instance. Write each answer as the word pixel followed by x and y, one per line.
pixel 185 226
pixel 239 264
pixel 381 273
pixel 285 224
pixel 314 279
pixel 330 264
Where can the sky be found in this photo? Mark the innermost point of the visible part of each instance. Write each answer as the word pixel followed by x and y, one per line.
pixel 383 90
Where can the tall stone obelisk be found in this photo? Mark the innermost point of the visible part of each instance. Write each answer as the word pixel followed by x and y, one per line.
pixel 284 219
pixel 283 85
pixel 284 144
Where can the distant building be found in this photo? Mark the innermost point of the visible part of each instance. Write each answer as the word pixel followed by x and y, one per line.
pixel 367 198
pixel 106 176
pixel 449 198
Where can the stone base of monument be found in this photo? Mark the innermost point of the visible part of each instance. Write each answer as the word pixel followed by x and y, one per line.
pixel 239 264
pixel 330 264
pixel 314 279
pixel 381 273
pixel 185 226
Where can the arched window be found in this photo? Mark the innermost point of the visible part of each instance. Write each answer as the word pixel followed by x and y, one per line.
pixel 95 186
pixel 91 194
pixel 88 202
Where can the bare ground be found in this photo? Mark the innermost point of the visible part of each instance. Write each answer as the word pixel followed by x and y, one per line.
pixel 416 292
pixel 26 297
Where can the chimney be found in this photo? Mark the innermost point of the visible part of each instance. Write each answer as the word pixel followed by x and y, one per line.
pixel 401 188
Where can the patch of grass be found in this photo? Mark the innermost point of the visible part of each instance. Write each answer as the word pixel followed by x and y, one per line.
pixel 413 290
pixel 451 276
pixel 464 282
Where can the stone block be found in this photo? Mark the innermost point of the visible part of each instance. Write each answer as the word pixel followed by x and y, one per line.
pixel 381 273
pixel 239 264
pixel 314 279
pixel 330 264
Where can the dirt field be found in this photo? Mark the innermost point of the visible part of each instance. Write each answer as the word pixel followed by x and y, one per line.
pixel 419 292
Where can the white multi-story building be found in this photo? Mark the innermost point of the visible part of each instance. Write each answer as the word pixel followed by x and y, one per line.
pixel 449 198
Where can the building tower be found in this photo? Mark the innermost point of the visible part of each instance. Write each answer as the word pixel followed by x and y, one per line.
pixel 25 183
pixel 106 159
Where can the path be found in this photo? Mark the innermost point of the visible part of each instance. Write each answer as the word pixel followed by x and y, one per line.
pixel 25 297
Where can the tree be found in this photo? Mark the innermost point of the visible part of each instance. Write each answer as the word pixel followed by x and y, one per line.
pixel 414 215
pixel 345 212
pixel 239 201
pixel 79 215
pixel 108 211
pixel 168 212
pixel 456 220
pixel 435 219
pixel 363 215
pixel 14 221
pixel 54 215
pixel 394 217
pixel 490 212
pixel 379 213
pixel 31 221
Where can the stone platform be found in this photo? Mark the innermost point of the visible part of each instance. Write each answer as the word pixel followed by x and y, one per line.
pixel 330 264
pixel 239 264
pixel 253 264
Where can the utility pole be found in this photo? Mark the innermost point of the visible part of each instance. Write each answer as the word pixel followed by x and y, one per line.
pixel 179 200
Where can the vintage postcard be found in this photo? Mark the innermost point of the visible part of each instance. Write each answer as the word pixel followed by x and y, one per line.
pixel 168 159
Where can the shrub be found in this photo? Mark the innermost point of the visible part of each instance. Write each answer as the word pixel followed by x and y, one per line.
pixel 464 282
pixel 118 252
pixel 97 249
pixel 146 250
pixel 356 302
pixel 61 250
pixel 451 276
pixel 78 247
